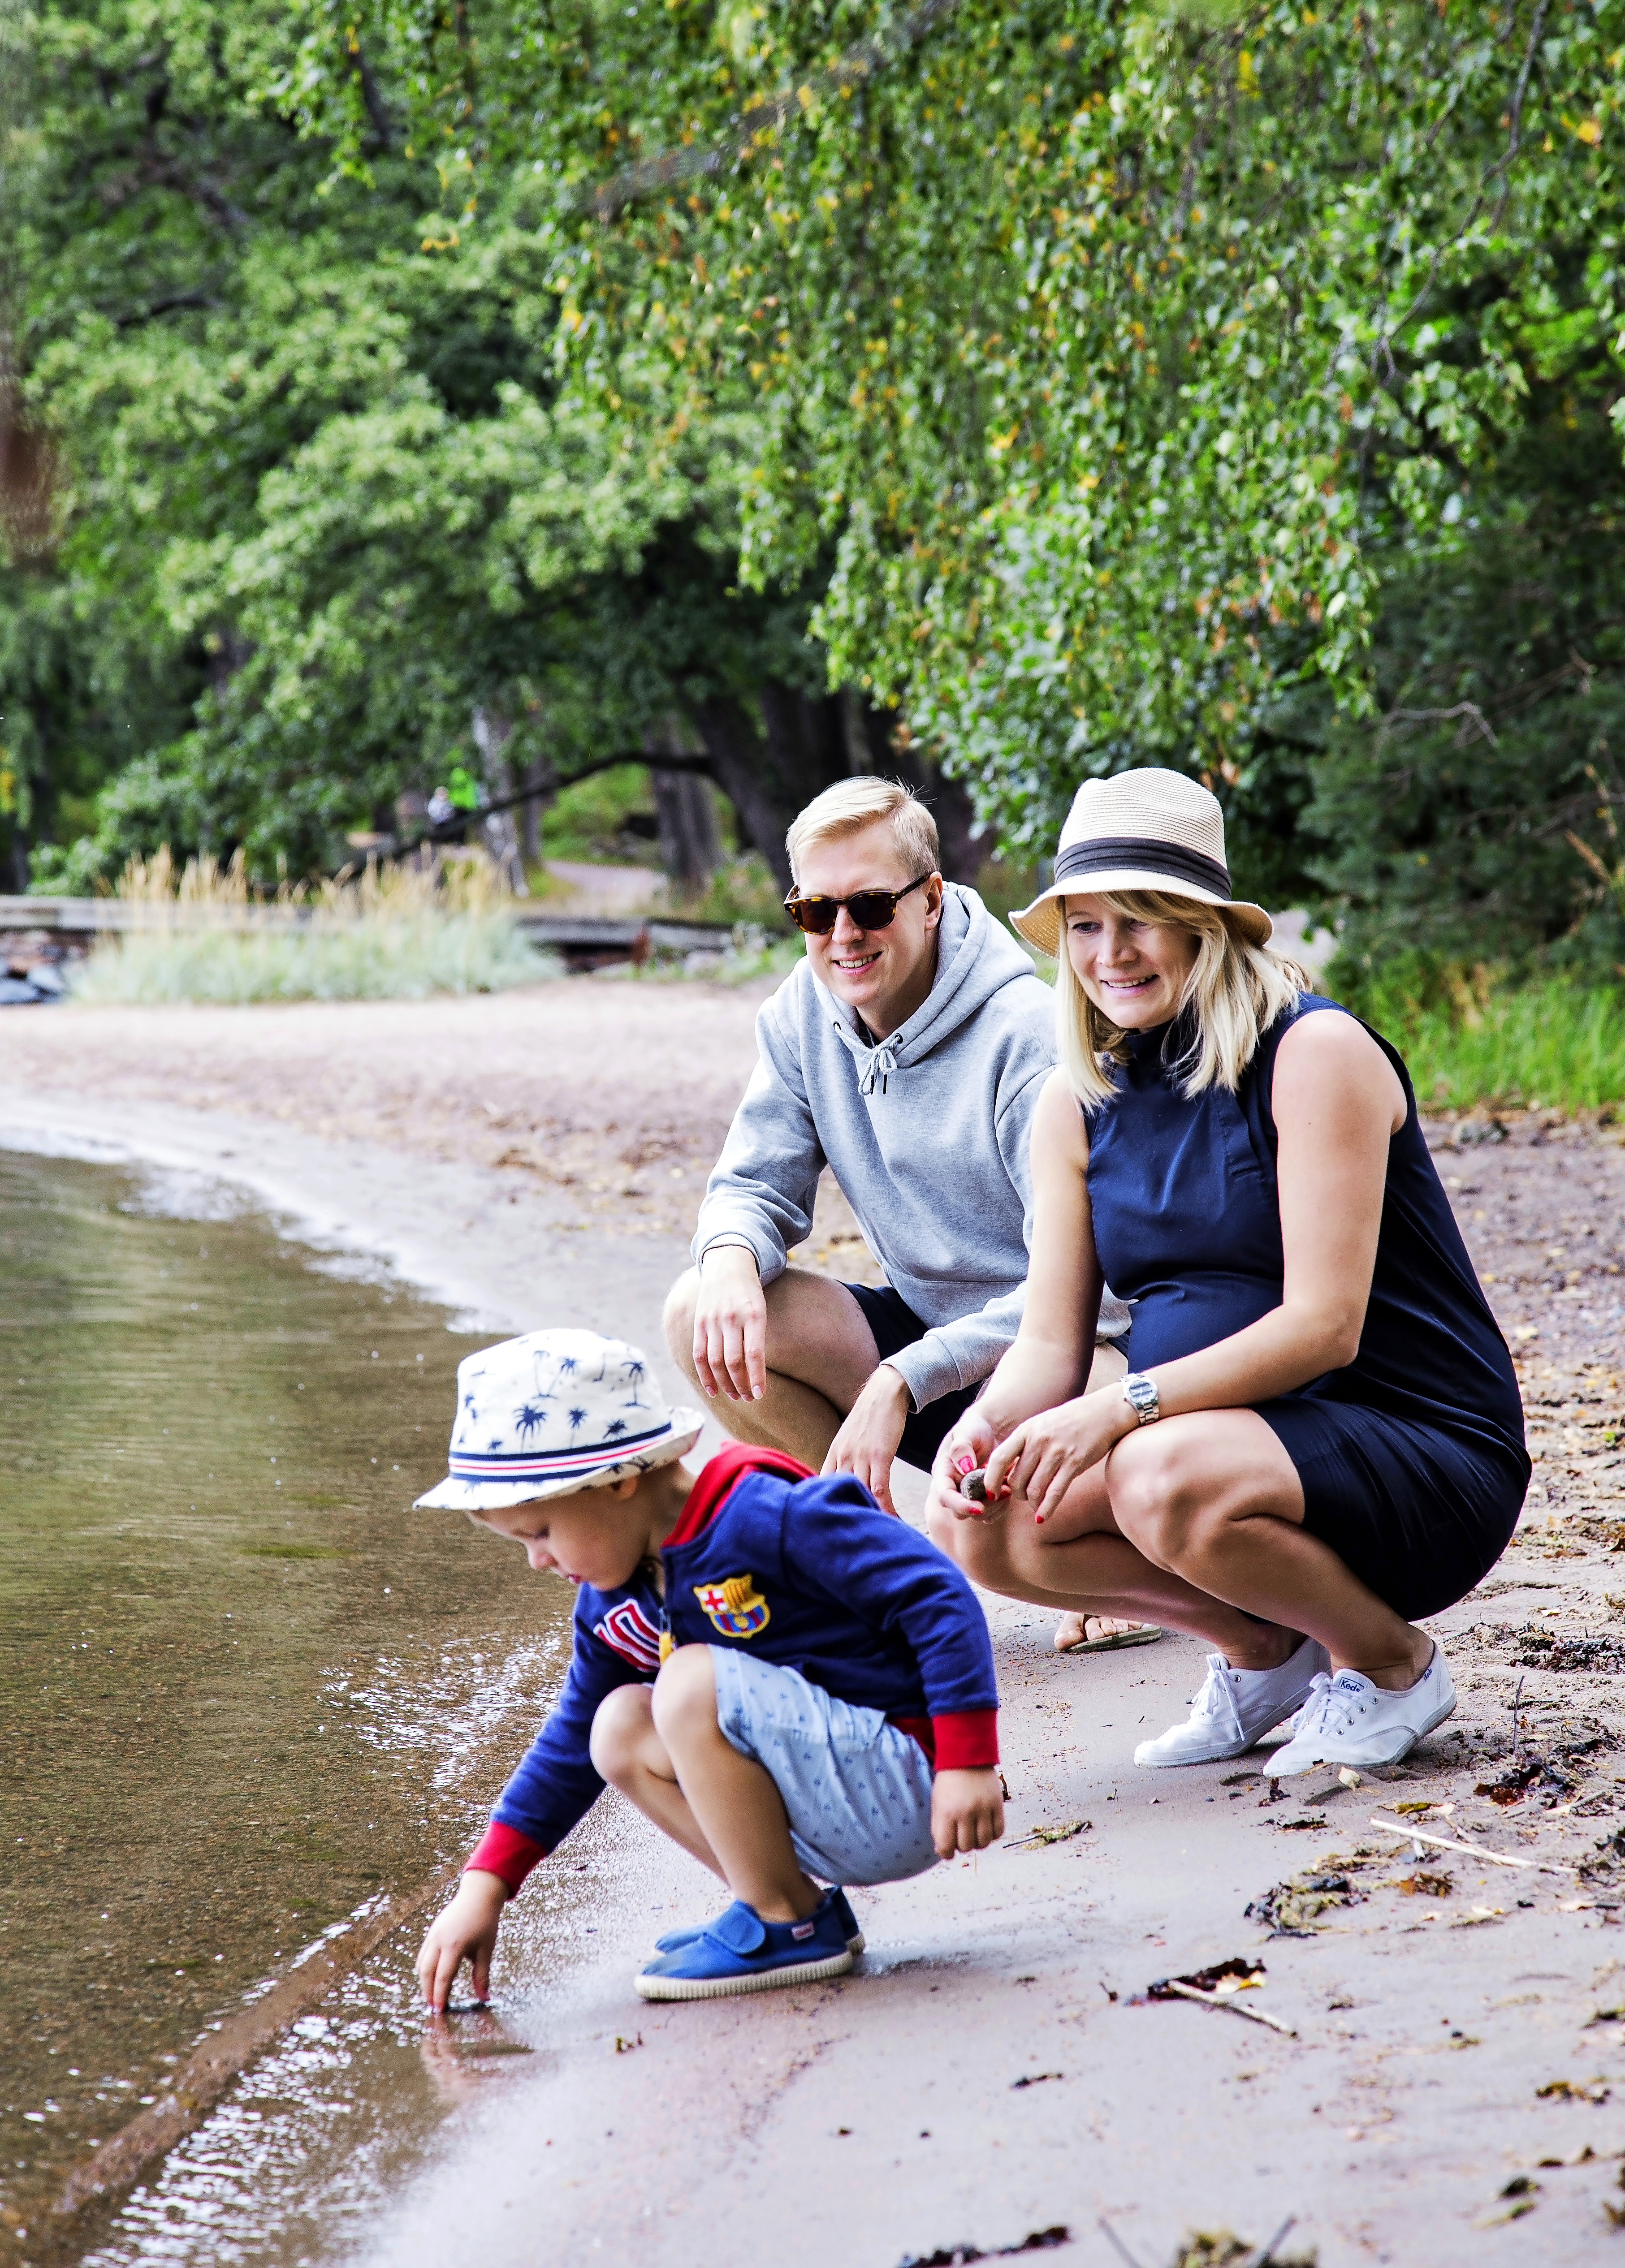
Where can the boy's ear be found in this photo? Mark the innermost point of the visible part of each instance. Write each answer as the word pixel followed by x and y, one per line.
pixel 626 1487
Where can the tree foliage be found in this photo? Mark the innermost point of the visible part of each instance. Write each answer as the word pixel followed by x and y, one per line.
pixel 1119 353
pixel 1189 384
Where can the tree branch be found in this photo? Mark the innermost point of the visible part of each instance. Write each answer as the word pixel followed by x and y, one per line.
pixel 672 166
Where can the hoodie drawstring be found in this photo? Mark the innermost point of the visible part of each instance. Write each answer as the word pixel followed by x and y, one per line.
pixel 876 1060
pixel 883 1061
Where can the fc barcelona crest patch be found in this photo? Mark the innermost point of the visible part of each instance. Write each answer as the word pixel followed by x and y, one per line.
pixel 736 1607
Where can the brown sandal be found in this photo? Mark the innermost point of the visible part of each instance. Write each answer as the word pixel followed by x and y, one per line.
pixel 1144 1634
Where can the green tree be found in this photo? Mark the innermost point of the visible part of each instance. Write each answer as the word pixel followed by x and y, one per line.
pixel 1120 357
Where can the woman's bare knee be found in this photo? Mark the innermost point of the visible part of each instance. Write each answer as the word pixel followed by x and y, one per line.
pixel 978 1548
pixel 1159 1489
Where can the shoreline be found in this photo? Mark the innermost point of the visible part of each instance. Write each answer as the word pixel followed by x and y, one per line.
pixel 985 2073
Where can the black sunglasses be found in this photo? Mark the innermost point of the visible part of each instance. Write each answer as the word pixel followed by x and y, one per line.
pixel 868 908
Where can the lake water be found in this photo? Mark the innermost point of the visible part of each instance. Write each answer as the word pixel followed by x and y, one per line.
pixel 243 1686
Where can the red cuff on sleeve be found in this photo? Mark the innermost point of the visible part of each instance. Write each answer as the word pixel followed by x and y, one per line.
pixel 503 1851
pixel 966 1740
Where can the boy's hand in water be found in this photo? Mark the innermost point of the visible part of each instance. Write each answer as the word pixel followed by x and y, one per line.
pixel 467 1931
pixel 967 1811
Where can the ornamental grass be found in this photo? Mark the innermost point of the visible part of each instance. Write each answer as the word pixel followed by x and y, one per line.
pixel 201 932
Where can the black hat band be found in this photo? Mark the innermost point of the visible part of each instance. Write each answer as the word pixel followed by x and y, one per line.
pixel 1103 854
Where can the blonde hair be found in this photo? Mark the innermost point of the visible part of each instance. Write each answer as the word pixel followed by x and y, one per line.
pixel 1234 992
pixel 853 804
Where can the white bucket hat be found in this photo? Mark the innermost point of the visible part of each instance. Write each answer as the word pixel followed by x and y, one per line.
pixel 553 1413
pixel 1143 830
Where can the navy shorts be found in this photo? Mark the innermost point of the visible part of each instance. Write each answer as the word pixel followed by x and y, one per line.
pixel 895 1326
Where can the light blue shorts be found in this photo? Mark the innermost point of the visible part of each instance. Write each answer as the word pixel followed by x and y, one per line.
pixel 857 1790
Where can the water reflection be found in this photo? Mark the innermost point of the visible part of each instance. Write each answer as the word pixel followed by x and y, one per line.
pixel 243 1685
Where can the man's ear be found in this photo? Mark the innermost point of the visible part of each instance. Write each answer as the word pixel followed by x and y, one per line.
pixel 934 889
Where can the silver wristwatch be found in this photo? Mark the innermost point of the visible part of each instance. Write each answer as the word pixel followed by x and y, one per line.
pixel 1140 1392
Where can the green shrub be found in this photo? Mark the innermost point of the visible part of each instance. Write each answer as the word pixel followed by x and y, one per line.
pixel 1469 1041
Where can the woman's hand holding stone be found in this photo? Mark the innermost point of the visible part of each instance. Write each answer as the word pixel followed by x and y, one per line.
pixel 1040 1458
pixel 970 1444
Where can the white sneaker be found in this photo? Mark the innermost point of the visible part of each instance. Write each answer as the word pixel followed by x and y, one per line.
pixel 1237 1707
pixel 1348 1720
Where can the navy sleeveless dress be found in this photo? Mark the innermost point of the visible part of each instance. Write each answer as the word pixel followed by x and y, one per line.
pixel 1412 1458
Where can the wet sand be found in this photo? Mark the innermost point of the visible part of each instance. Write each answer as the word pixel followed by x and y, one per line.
pixel 985 2074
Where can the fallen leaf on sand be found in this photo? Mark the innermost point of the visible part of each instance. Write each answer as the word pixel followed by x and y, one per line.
pixel 1574 2090
pixel 1036 1837
pixel 1290 1908
pixel 1236 1975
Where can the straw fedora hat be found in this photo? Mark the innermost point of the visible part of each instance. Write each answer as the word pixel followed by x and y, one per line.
pixel 552 1412
pixel 1142 830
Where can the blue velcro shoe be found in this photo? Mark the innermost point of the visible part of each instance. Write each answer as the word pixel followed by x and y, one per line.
pixel 843 1914
pixel 739 1952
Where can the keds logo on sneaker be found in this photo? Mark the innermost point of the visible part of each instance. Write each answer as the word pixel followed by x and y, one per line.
pixel 803 1929
pixel 734 1606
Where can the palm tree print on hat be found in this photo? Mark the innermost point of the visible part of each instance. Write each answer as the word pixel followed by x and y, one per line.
pixel 636 1372
pixel 578 1418
pixel 532 1415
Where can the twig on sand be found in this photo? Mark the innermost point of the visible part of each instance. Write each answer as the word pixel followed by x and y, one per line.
pixel 1117 2243
pixel 1237 2008
pixel 1263 2259
pixel 1517 1746
pixel 1473 1850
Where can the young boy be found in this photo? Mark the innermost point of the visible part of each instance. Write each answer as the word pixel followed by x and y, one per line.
pixel 790 1682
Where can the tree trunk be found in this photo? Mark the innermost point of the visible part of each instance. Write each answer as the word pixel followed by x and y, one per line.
pixel 884 737
pixel 807 742
pixel 492 732
pixel 530 816
pixel 738 765
pixel 691 849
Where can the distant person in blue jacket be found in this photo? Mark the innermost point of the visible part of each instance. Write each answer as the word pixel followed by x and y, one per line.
pixel 792 1685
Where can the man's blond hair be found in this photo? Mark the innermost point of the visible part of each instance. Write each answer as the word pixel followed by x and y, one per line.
pixel 851 805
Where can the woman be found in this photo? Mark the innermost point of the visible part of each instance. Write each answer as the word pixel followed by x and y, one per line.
pixel 1320 1438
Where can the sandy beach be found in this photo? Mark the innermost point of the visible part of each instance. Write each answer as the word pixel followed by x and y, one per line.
pixel 1450 2083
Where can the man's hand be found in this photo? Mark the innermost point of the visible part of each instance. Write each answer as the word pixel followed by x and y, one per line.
pixel 467 1931
pixel 730 1325
pixel 870 1432
pixel 967 1811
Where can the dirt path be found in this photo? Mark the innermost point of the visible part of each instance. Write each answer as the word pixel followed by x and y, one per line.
pixel 1456 2087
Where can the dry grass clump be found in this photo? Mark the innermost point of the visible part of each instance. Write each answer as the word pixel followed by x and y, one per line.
pixel 202 932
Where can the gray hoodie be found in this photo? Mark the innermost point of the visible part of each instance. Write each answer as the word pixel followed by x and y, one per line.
pixel 926 1132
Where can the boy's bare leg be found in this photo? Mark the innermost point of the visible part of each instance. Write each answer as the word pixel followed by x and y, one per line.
pixel 664 1749
pixel 819 1351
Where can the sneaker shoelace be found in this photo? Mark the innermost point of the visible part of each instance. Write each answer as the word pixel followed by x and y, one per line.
pixel 1331 1708
pixel 1217 1697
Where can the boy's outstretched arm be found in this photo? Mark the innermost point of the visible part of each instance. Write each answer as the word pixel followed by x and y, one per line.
pixel 465 1931
pixel 967 1810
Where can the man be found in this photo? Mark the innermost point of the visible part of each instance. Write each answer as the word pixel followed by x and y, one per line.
pixel 907 1052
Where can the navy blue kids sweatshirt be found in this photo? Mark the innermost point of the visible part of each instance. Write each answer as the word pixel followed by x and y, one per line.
pixel 807 1573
